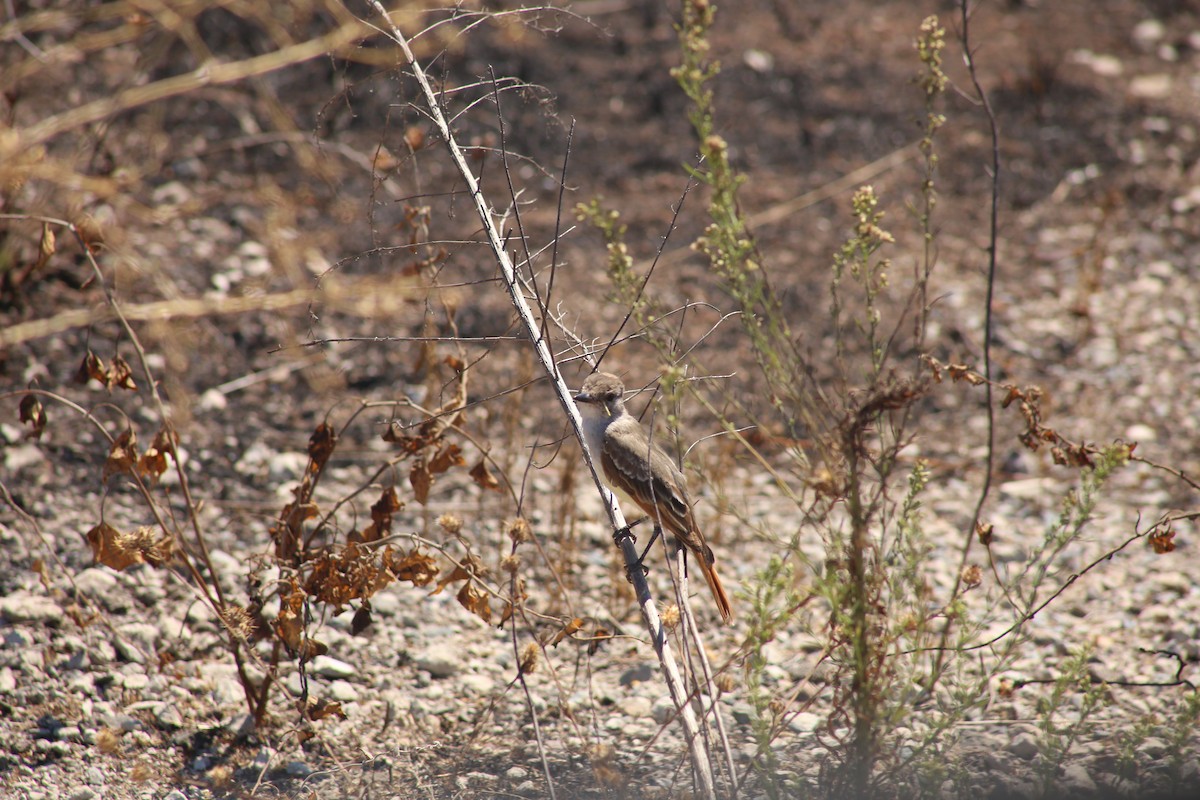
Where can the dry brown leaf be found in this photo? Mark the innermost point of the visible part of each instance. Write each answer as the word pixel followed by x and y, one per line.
pixel 459 573
pixel 123 549
pixel 567 630
pixel 153 462
pixel 421 479
pixel 106 549
pixel 476 601
pixel 311 648
pixel 483 477
pixel 388 504
pixel 47 247
pixel 414 137
pixel 92 368
pixel 449 456
pixel 120 375
pixel 598 637
pixel 510 607
pixel 416 568
pixel 289 622
pixel 1163 541
pixel 361 620
pixel 122 456
pixel 31 411
pixel 325 708
pixel 368 534
pixel 320 446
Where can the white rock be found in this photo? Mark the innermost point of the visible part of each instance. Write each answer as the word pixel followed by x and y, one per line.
pixel 18 457
pixel 1105 66
pixel 663 710
pixel 439 660
pixel 343 691
pixel 1024 746
pixel 1151 87
pixel 805 722
pixel 637 707
pixel 168 717
pixel 1075 777
pixel 759 60
pixel 96 581
pixel 213 400
pixel 23 606
pixel 1148 33
pixel 1140 433
pixel 479 684
pixel 328 667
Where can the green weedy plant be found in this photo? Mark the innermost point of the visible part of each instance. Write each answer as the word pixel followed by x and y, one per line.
pixel 857 440
pixel 728 243
pixel 894 648
pixel 1058 735
pixel 773 602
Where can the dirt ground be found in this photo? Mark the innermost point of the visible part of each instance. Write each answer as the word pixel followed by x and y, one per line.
pixel 320 188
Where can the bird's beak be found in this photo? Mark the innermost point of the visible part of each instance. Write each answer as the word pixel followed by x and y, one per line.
pixel 582 398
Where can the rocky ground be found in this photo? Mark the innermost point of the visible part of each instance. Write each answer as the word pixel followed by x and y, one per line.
pixel 119 684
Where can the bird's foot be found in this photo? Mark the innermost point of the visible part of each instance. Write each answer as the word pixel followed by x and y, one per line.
pixel 653 537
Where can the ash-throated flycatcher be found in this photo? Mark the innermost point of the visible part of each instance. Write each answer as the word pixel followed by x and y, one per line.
pixel 632 463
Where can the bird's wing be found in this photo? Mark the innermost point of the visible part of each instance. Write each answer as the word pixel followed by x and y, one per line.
pixel 645 473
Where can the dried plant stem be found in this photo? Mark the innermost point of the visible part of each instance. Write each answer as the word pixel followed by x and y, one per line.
pixel 545 356
pixel 993 238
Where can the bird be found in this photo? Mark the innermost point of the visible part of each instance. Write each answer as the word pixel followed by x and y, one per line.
pixel 635 465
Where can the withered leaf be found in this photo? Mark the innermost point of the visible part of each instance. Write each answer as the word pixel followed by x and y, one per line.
pixel 47 246
pixel 121 375
pixel 1011 395
pixel 1163 541
pixel 476 601
pixel 459 573
pixel 325 708
pixel 366 535
pixel 388 504
pixel 599 636
pixel 122 456
pixel 484 477
pixel 414 137
pixel 351 574
pixel 289 622
pixel 92 367
pixel 31 411
pixel 417 568
pixel 107 551
pixel 567 630
pixel 123 549
pixel 320 446
pixel 361 621
pixel 153 462
pixel 422 481
pixel 449 456
pixel 984 531
pixel 311 648
pixel 510 607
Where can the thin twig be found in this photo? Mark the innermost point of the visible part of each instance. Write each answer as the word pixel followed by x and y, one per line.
pixel 994 216
pixel 546 358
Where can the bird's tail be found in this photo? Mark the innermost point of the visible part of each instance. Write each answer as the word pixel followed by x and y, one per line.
pixel 718 591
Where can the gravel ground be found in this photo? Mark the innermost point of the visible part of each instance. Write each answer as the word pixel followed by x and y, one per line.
pixel 118 684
